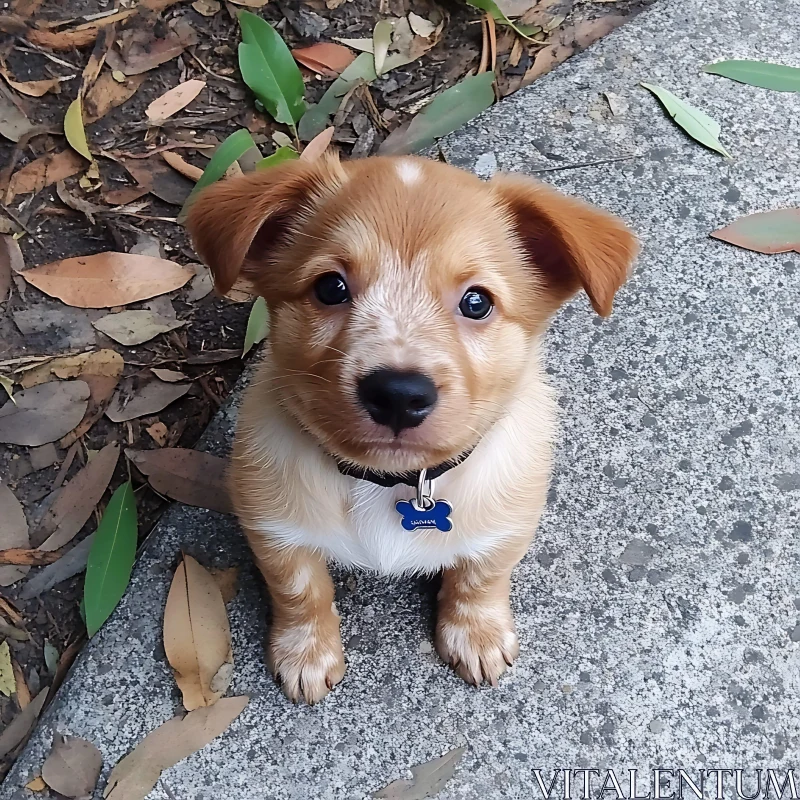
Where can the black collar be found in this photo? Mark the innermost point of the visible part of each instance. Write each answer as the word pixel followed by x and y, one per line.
pixel 394 478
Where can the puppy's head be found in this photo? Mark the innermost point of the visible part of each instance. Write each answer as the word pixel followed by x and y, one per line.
pixel 405 294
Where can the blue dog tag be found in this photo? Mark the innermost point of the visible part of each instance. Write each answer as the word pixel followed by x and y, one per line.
pixel 414 517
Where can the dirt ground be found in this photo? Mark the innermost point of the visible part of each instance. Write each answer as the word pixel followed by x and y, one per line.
pixel 45 632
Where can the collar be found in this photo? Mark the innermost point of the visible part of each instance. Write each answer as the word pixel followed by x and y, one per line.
pixel 394 478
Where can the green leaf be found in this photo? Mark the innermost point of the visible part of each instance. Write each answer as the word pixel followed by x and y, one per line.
pixel 694 121
pixel 74 130
pixel 268 68
pixel 8 684
pixel 50 656
pixel 361 70
pixel 490 7
pixel 233 148
pixel 282 154
pixel 766 232
pixel 111 558
pixel 778 77
pixel 448 112
pixel 381 39
pixel 257 325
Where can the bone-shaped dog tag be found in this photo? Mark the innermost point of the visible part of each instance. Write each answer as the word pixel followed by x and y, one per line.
pixel 415 518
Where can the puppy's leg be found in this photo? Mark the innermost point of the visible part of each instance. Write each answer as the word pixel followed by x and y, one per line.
pixel 475 630
pixel 305 647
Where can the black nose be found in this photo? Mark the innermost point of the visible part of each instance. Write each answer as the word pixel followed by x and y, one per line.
pixel 397 399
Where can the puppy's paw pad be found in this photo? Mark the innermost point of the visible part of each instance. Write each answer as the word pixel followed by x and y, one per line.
pixel 478 651
pixel 305 669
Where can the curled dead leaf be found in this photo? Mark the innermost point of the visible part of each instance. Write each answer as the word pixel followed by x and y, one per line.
pixel 72 767
pixel 174 100
pixel 108 93
pixel 43 172
pixel 180 164
pixel 131 401
pixel 325 58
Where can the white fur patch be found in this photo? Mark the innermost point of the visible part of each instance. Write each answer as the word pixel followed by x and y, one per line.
pixel 409 172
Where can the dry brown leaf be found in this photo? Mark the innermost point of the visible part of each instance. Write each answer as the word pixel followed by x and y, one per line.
pixel 107 279
pixel 18 729
pixel 158 433
pixel 197 636
pixel 177 162
pixel 78 203
pixel 207 7
pixel 43 172
pixel 44 413
pixel 101 388
pixel 107 94
pixel 96 60
pixel 125 195
pixel 26 8
pixel 27 556
pixel 189 476
pixel 11 260
pixel 77 37
pixel 31 88
pixel 242 291
pixel 36 785
pixel 144 52
pixel 100 362
pixel 317 146
pixel 142 401
pixel 130 328
pixel 137 774
pixel 326 58
pixel 13 533
pixel 174 100
pixel 159 179
pixel 429 779
pixel 23 692
pixel 76 501
pixel 169 375
pixel 72 767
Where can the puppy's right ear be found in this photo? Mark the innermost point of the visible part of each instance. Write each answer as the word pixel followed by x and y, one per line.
pixel 237 225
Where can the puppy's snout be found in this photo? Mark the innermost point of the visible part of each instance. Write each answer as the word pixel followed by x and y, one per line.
pixel 397 399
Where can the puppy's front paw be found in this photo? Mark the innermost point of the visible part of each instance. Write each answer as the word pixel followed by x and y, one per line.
pixel 306 658
pixel 479 645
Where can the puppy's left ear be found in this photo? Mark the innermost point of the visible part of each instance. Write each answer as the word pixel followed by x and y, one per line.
pixel 570 244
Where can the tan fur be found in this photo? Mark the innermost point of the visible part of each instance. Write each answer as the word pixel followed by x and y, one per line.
pixel 408 249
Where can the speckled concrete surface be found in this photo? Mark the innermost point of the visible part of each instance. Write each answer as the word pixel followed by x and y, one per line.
pixel 659 609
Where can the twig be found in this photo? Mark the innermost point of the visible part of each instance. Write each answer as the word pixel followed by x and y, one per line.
pixel 585 164
pixel 28 558
pixel 13 216
pixel 28 47
pixel 491 29
pixel 206 69
pixel 484 62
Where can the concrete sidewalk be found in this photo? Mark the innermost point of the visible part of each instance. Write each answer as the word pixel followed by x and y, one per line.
pixel 659 609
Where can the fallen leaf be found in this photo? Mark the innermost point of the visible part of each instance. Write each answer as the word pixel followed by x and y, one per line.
pixel 13 122
pixel 362 45
pixel 137 774
pixel 99 362
pixel 10 632
pixel 43 172
pixel 206 7
pixel 158 433
pixel 228 582
pixel 101 388
pixel 50 656
pixel 31 88
pixel 325 58
pixel 694 121
pixel 765 232
pixel 36 785
pixel 8 684
pixel 160 179
pixel 318 145
pixel 11 260
pixel 13 533
pixel 146 53
pixel 8 387
pixel 23 693
pixel 169 375
pixel 66 567
pixel 149 398
pixel 448 112
pixel 135 327
pixel 105 39
pixel 213 356
pixel 777 77
pixel 197 636
pixel 278 157
pixel 72 767
pixel 188 476
pixel 174 100
pixel 421 26
pixel 429 779
pixel 236 145
pixel 107 279
pixel 381 39
pixel 269 70
pixel 74 131
pixel 78 203
pixel 490 7
pixel 30 557
pixel 111 557
pixel 177 162
pixel 257 325
pixel 76 500
pixel 44 413
pixel 20 727
pixel 108 93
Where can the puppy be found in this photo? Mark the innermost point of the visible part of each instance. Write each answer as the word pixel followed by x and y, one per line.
pixel 400 420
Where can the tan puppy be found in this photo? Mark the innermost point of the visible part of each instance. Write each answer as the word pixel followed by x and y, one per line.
pixel 407 300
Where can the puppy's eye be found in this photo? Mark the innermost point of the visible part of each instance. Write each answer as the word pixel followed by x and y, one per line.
pixel 331 290
pixel 476 303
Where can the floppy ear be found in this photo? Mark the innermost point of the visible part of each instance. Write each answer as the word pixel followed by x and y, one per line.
pixel 570 244
pixel 237 225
